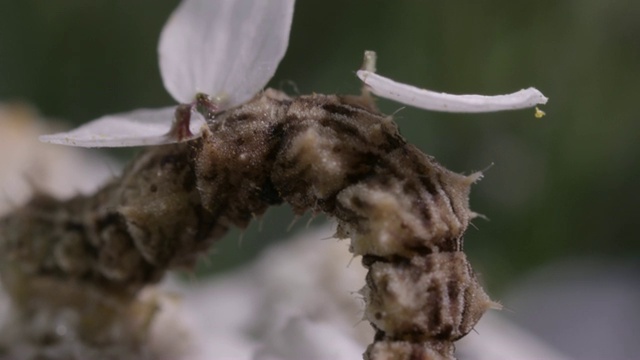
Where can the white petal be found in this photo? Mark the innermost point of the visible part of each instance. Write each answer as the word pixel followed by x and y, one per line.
pixel 138 128
pixel 223 47
pixel 431 100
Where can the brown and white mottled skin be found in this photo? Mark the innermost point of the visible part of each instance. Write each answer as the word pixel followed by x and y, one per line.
pixel 404 213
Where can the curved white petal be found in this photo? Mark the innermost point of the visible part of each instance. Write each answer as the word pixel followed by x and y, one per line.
pixel 431 100
pixel 138 128
pixel 223 47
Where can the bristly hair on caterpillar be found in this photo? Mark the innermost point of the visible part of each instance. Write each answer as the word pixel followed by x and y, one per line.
pixel 221 159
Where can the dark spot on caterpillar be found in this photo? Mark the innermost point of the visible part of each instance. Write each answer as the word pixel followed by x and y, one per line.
pixel 339 109
pixel 368 260
pixel 269 194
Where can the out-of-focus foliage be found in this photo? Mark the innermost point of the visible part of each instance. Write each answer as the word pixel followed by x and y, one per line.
pixel 561 186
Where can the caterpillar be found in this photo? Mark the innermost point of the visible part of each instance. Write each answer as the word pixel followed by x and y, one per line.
pixel 404 213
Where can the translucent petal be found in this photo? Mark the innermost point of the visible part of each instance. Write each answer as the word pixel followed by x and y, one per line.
pixel 138 128
pixel 431 100
pixel 223 47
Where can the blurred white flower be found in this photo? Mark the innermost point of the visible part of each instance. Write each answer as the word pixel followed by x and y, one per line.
pixel 28 166
pixel 214 54
pixel 299 300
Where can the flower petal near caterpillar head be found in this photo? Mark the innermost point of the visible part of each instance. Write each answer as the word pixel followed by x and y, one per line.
pixel 214 54
pixel 431 100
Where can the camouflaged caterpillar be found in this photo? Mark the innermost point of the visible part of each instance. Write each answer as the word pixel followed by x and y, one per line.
pixel 404 213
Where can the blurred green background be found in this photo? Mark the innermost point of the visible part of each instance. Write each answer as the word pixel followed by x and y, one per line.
pixel 564 186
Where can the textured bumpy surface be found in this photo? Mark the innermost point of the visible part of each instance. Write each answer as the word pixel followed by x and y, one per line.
pixel 404 213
